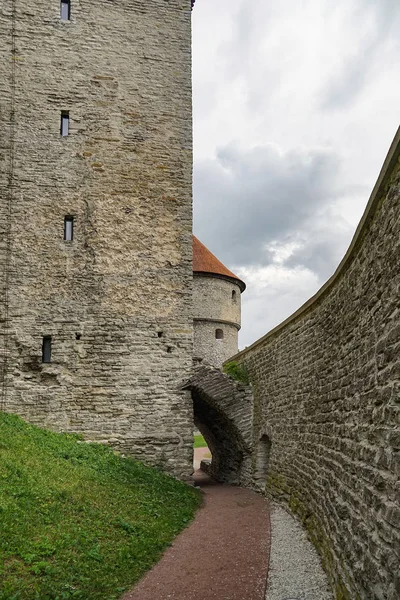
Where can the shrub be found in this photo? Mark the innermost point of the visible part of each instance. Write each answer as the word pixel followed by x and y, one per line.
pixel 237 371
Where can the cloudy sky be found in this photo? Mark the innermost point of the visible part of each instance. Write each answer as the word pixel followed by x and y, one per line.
pixel 295 106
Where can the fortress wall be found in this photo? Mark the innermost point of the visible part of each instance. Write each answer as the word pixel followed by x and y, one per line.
pixel 327 396
pixel 117 300
pixel 5 161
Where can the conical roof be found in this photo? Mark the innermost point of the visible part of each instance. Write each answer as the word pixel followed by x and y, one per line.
pixel 204 261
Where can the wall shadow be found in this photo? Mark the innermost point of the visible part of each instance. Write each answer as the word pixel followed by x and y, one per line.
pixel 222 437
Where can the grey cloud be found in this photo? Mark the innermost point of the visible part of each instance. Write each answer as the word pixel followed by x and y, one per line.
pixel 346 84
pixel 245 201
pixel 256 21
pixel 322 250
pixel 237 52
pixel 253 23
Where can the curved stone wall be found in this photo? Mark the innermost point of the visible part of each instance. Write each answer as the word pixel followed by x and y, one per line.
pixel 327 390
pixel 216 305
pixel 207 347
pixel 213 299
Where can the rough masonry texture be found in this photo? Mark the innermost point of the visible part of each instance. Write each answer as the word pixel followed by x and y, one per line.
pixel 326 389
pixel 117 300
pixel 223 411
pixel 215 310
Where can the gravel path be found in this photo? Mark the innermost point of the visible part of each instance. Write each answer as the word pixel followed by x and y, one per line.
pixel 222 555
pixel 295 571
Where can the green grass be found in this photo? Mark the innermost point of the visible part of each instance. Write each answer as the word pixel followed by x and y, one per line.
pixel 77 520
pixel 199 442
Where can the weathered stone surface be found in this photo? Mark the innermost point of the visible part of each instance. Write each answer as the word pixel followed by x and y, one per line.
pixel 215 307
pixel 117 300
pixel 327 398
pixel 223 411
pixel 215 299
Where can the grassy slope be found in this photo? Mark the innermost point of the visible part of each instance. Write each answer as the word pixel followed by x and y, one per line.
pixel 77 520
pixel 199 442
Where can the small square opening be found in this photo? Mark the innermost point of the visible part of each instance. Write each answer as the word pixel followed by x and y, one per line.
pixel 64 126
pixel 65 10
pixel 46 349
pixel 68 228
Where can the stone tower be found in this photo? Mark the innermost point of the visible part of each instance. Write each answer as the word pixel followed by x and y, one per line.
pixel 217 301
pixel 96 220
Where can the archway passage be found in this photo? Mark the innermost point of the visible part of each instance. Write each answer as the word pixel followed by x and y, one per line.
pixel 223 410
pixel 221 438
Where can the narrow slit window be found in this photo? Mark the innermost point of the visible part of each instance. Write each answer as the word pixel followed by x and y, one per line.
pixel 233 296
pixel 64 128
pixel 46 349
pixel 68 228
pixel 219 334
pixel 65 10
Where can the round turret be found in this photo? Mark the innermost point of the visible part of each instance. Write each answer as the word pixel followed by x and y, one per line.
pixel 217 307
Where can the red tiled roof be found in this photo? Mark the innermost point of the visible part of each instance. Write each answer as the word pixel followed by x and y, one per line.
pixel 204 261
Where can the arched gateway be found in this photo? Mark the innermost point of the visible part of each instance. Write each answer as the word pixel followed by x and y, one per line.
pixel 223 411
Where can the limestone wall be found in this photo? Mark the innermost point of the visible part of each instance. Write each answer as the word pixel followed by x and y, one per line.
pixel 215 300
pixel 327 395
pixel 210 349
pixel 117 300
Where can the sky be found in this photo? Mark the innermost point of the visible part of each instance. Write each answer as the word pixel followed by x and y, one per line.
pixel 295 107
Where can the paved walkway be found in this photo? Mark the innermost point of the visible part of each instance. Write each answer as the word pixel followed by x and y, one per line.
pixel 222 555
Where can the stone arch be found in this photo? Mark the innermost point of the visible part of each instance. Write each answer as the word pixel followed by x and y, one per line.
pixel 262 456
pixel 223 410
pixel 221 436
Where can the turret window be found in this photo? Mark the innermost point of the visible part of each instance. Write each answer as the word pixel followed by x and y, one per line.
pixel 234 296
pixel 219 334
